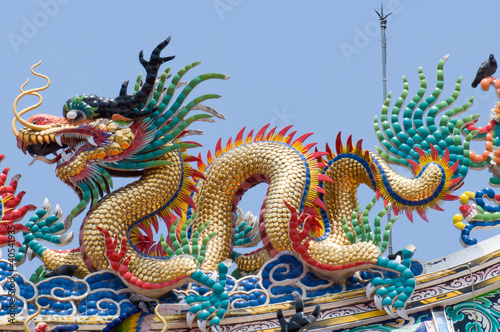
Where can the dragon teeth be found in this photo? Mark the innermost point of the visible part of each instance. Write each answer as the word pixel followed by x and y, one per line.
pixel 91 140
pixel 64 156
pixel 58 140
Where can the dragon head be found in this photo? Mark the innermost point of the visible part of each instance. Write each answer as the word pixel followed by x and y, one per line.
pixel 81 141
pixel 98 137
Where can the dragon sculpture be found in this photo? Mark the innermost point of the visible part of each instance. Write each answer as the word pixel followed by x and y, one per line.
pixel 311 207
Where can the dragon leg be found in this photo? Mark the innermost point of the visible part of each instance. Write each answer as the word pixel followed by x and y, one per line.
pixel 291 173
pixel 212 308
pixel 155 276
pixel 43 226
pixel 252 261
pixel 55 258
pixel 181 265
pixel 393 292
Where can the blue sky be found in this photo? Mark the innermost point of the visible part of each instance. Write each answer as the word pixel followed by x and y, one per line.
pixel 316 65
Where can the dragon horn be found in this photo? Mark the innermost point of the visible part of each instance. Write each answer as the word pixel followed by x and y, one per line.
pixel 33 92
pixel 125 104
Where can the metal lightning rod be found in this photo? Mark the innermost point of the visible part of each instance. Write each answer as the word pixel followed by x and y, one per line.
pixel 383 25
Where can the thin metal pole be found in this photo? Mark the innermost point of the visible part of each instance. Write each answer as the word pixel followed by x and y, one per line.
pixel 383 25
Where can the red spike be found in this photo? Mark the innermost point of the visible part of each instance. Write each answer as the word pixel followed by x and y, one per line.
pixel 408 214
pixel 193 188
pixel 320 164
pixel 323 177
pixel 385 202
pixel 200 163
pixel 260 134
pixel 249 136
pixel 229 144
pixel 367 155
pixel 143 227
pixel 293 218
pixel 319 160
pixel 308 147
pixel 283 131
pixel 378 194
pixel 420 152
pixel 196 174
pixel 422 213
pixel 289 138
pixel 239 137
pixel 319 203
pixel 446 156
pixel 218 148
pixel 349 143
pixel 127 260
pixel 454 167
pixel 455 181
pixel 395 210
pixel 154 221
pixel 308 210
pixel 209 157
pixel 318 154
pixel 190 201
pixel 449 197
pixel 178 211
pixel 438 208
pixel 270 134
pixel 190 158
pixel 413 165
pixel 359 145
pixel 434 153
pixel 328 150
pixel 320 190
pixel 338 143
pixel 302 138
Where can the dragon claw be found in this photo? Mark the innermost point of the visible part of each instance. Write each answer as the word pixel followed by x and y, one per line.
pixel 378 302
pixel 66 238
pixel 202 325
pixel 46 205
pixel 189 319
pixel 216 328
pixel 58 212
pixel 209 309
pixel 388 309
pixel 391 294
pixel 31 254
pixel 43 226
pixel 369 290
pixel 402 313
pixel 68 221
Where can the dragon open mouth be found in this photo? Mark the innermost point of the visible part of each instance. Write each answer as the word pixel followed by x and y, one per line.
pixel 65 145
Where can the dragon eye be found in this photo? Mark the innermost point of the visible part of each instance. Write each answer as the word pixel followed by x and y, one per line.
pixel 76 115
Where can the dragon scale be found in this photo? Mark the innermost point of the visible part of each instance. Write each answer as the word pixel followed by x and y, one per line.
pixel 311 207
pixel 286 172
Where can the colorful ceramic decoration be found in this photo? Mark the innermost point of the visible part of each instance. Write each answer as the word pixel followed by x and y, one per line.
pixel 313 241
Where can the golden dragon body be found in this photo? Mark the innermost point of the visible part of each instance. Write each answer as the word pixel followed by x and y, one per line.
pixel 311 206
